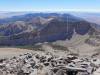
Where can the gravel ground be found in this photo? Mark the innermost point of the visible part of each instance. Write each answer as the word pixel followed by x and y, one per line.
pixel 10 52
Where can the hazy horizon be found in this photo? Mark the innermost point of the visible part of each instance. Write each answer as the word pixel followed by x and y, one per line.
pixel 50 5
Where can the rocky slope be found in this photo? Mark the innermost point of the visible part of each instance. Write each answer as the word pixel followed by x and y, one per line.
pixel 42 27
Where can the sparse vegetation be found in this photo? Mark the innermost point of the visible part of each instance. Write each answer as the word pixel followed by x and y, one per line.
pixel 59 47
pixel 30 47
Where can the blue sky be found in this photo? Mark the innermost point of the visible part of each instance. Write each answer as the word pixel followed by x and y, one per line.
pixel 50 5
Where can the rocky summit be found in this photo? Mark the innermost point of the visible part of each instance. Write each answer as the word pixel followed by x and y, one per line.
pixel 49 64
pixel 49 44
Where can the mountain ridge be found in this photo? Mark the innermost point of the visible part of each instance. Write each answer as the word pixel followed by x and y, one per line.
pixel 41 27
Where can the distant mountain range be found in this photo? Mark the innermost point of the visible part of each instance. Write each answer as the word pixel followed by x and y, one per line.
pixel 91 17
pixel 10 14
pixel 29 29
